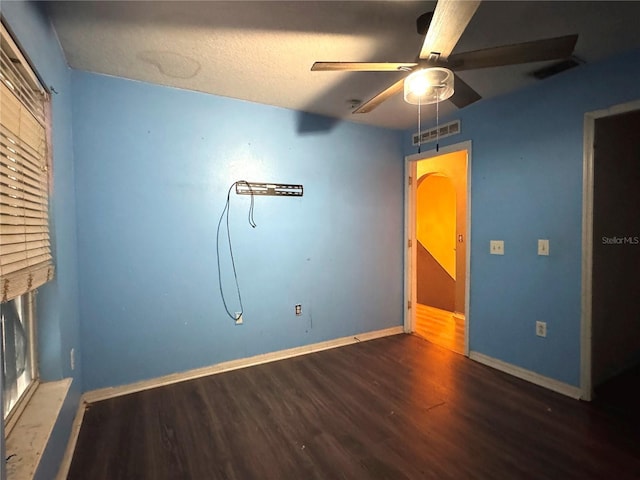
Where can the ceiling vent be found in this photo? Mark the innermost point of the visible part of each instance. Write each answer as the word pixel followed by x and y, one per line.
pixel 446 130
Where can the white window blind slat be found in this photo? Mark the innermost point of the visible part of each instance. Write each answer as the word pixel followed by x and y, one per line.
pixel 17 229
pixel 13 78
pixel 13 196
pixel 22 220
pixel 11 141
pixel 18 259
pixel 17 157
pixel 21 203
pixel 12 180
pixel 20 128
pixel 25 247
pixel 12 153
pixel 17 247
pixel 13 166
pixel 12 174
pixel 20 124
pixel 25 238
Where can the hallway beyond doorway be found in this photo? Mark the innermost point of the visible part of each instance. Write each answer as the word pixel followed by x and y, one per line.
pixel 441 327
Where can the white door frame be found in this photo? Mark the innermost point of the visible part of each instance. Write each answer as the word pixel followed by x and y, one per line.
pixel 590 118
pixel 410 257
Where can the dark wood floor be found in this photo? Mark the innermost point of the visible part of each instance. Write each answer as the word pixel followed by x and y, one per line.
pixel 394 408
pixel 621 395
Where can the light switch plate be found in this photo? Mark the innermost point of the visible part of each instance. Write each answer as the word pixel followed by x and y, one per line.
pixel 496 247
pixel 543 247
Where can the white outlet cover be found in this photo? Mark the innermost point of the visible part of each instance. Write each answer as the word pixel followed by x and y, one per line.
pixel 496 247
pixel 543 247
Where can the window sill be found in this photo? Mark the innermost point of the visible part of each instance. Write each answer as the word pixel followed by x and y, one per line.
pixel 29 437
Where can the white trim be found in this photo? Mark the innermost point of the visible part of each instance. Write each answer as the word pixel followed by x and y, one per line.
pixel 528 375
pixel 467 293
pixel 65 465
pixel 410 289
pixel 586 319
pixel 19 407
pixel 111 392
pixel 587 258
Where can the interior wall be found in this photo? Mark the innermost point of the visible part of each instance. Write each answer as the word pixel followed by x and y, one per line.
pixel 527 184
pixel 436 219
pixel 616 246
pixel 153 168
pixel 454 166
pixel 436 237
pixel 57 301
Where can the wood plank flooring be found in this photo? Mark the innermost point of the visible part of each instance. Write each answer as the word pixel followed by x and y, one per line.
pixel 621 394
pixel 393 408
pixel 440 327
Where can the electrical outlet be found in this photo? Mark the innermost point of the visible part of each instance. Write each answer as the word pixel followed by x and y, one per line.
pixel 541 329
pixel 239 318
pixel 496 247
pixel 72 358
pixel 298 310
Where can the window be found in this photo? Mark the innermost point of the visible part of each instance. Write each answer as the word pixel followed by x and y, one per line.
pixel 25 251
pixel 18 347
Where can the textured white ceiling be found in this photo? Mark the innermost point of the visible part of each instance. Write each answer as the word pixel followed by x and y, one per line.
pixel 263 51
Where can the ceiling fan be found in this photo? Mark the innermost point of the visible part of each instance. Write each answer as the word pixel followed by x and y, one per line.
pixel 443 29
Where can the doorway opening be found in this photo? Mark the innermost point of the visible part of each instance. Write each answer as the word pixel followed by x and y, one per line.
pixel 610 363
pixel 436 265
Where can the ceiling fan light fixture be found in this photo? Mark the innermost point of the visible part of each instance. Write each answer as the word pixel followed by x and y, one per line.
pixel 428 85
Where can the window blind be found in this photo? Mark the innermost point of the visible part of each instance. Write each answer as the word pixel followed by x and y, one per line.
pixel 25 250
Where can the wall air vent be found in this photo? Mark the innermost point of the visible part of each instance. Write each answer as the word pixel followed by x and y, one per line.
pixel 446 130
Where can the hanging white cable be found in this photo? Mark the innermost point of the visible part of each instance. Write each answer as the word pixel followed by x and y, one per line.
pixel 419 132
pixel 437 124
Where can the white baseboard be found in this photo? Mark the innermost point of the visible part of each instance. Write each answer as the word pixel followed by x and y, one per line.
pixel 111 392
pixel 528 375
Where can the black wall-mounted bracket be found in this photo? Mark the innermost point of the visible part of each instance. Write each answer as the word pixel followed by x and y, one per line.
pixel 275 189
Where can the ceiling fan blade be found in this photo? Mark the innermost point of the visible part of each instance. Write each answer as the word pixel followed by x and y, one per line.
pixel 381 97
pixel 450 18
pixel 535 51
pixel 463 94
pixel 362 66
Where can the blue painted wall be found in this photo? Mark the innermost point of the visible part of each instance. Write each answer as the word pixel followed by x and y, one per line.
pixel 140 183
pixel 153 166
pixel 527 184
pixel 57 301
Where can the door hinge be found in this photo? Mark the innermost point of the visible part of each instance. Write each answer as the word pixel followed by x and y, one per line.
pixel 409 243
pixel 410 180
pixel 409 305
